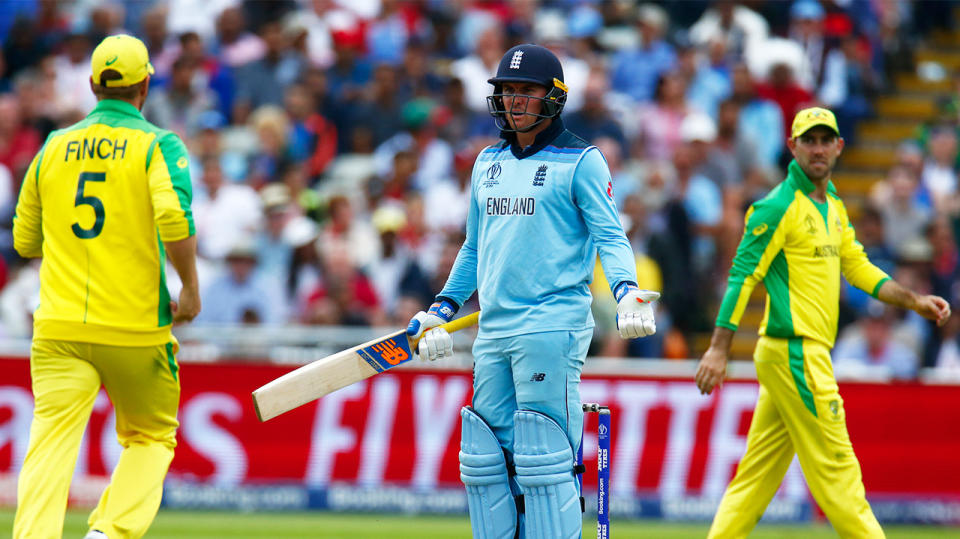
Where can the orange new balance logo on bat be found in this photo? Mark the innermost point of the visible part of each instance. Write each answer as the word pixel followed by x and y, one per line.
pixel 390 352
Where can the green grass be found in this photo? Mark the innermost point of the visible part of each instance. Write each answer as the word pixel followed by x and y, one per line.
pixel 197 525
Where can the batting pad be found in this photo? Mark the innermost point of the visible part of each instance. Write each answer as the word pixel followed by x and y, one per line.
pixel 544 461
pixel 483 470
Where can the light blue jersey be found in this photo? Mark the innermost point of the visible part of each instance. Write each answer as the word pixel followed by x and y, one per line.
pixel 537 220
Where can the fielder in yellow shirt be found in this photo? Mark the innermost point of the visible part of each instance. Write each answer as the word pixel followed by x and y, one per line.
pixel 798 240
pixel 104 202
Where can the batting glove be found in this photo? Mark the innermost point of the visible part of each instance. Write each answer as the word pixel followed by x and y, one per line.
pixel 635 311
pixel 435 343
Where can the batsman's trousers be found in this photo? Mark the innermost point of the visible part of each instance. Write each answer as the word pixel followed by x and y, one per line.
pixel 799 411
pixel 143 386
pixel 535 371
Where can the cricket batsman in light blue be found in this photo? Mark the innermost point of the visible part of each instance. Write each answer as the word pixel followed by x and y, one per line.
pixel 541 209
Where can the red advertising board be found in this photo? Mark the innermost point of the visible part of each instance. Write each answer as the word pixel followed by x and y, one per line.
pixel 402 428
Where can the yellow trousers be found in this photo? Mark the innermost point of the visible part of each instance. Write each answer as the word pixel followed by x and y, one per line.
pixel 144 388
pixel 799 411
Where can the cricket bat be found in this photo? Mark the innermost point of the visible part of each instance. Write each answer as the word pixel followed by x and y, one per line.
pixel 323 376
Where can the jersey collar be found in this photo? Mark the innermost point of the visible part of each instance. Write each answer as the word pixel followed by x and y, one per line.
pixel 799 179
pixel 115 106
pixel 543 138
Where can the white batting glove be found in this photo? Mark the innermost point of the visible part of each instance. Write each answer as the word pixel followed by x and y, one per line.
pixel 635 311
pixel 435 343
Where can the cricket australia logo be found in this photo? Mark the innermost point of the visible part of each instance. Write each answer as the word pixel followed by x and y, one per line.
pixel 515 61
pixel 540 176
pixel 492 174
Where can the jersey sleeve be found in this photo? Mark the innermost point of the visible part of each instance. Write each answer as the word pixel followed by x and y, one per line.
pixel 462 281
pixel 855 265
pixel 592 192
pixel 763 238
pixel 168 175
pixel 27 225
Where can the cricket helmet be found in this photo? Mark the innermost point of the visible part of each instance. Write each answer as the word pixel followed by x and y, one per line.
pixel 528 63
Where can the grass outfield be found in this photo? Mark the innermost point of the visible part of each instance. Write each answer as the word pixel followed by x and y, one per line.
pixel 197 525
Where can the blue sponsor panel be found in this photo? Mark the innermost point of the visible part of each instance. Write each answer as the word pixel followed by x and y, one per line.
pixel 388 353
pixel 345 497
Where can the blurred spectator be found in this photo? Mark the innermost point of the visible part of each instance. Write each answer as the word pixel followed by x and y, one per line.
pixel 378 111
pixel 870 343
pixel 240 295
pixel 163 49
pixel 72 70
pixel 945 351
pixel 264 81
pixel 550 30
pixel 739 26
pixel 939 177
pixel 806 28
pixel 418 238
pixel 707 84
pixel 457 121
pixel 434 155
pixel 313 138
pixel 761 120
pixel 389 33
pixel 345 235
pixel 224 213
pixel 349 72
pixel 200 16
pixel 346 296
pixel 235 46
pixel 18 142
pixel 22 47
pixel 274 252
pixel 731 155
pixel 19 299
pixel 449 200
pixel 638 71
pixel 272 128
pixel 660 120
pixel 595 119
pixel 946 260
pixel 395 273
pixel 782 88
pixel 849 85
pixel 904 217
pixel 180 106
pixel 474 70
pixel 703 203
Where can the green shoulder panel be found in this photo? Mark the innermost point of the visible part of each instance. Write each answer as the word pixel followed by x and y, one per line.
pixel 764 218
pixel 178 165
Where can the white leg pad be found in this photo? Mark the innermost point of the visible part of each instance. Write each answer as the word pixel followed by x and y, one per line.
pixel 483 470
pixel 544 462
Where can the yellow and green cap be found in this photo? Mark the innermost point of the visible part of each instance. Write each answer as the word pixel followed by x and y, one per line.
pixel 124 54
pixel 814 116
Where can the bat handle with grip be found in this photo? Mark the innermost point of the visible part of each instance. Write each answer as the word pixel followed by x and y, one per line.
pixel 456 325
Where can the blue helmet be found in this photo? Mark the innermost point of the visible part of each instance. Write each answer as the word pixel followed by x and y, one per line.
pixel 528 63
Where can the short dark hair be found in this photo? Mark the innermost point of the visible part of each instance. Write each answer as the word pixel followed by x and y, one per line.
pixel 127 93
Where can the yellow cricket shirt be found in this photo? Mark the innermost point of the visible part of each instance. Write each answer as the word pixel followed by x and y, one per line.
pixel 96 203
pixel 798 247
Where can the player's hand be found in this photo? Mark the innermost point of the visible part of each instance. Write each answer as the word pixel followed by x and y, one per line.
pixel 435 343
pixel 635 311
pixel 711 370
pixel 933 308
pixel 188 308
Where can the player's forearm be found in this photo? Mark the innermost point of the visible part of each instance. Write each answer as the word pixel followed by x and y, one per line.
pixel 896 294
pixel 721 339
pixel 183 256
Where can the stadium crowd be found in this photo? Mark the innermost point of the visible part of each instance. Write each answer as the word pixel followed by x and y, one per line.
pixel 332 143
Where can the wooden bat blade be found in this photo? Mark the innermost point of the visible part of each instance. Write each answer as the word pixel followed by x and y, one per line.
pixel 324 376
